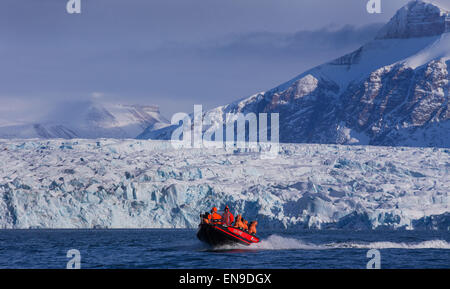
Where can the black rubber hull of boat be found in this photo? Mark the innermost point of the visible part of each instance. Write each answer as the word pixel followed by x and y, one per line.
pixel 216 235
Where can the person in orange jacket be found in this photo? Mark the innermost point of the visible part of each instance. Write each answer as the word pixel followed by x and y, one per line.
pixel 214 215
pixel 252 229
pixel 227 217
pixel 239 224
pixel 245 227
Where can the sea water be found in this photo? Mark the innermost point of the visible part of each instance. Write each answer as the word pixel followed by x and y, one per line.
pixel 179 248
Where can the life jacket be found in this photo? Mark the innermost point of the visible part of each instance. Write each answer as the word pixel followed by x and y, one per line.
pixel 245 226
pixel 216 216
pixel 239 223
pixel 252 229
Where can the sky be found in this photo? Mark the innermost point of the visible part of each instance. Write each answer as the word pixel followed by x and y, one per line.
pixel 172 53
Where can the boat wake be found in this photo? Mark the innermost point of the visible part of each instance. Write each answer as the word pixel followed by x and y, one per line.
pixel 277 242
pixel 431 244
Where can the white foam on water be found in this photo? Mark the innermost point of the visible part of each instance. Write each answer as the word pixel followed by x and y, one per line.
pixel 276 242
pixel 431 244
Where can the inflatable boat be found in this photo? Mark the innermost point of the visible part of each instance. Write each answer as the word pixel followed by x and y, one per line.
pixel 219 234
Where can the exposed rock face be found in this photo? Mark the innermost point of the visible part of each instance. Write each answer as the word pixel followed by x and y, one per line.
pixel 396 101
pixel 416 19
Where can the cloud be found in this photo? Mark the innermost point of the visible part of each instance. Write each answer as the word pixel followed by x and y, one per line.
pixel 14 110
pixel 176 74
pixel 97 95
pixel 298 44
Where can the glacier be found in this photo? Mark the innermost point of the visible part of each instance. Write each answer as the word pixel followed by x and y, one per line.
pixel 111 183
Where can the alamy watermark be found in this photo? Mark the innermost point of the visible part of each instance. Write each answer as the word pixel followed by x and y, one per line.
pixel 373 6
pixel 73 6
pixel 375 261
pixel 237 131
pixel 75 259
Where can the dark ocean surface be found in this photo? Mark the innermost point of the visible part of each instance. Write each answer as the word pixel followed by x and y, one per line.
pixel 179 248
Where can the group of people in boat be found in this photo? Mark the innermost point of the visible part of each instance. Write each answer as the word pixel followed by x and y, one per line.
pixel 228 219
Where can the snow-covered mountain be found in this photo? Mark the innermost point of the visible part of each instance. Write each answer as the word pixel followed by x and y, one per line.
pixel 113 183
pixel 89 120
pixel 391 91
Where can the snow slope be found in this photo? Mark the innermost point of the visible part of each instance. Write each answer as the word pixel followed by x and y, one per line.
pixel 440 49
pixel 89 120
pixel 147 184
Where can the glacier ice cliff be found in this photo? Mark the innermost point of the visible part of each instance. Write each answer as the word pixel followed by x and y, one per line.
pixel 109 183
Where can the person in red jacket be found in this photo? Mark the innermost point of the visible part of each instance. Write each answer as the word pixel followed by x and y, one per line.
pixel 227 217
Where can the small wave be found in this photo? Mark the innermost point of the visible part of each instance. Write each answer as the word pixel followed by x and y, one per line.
pixel 431 244
pixel 276 242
